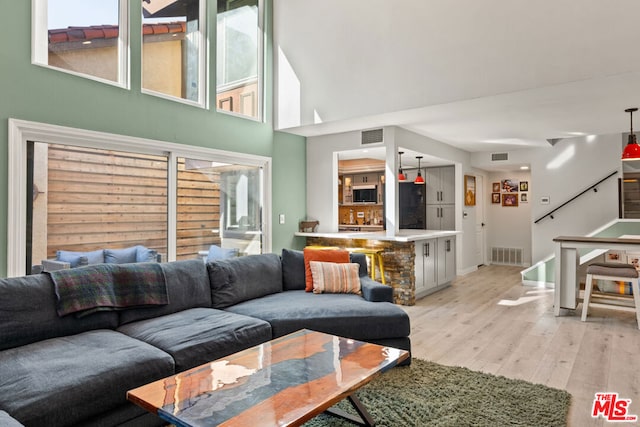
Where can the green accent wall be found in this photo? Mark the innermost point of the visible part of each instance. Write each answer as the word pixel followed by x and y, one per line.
pixel 38 94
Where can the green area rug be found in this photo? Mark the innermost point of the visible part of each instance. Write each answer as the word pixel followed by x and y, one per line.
pixel 428 394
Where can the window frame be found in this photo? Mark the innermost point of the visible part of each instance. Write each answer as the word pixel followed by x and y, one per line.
pixel 203 61
pixel 40 43
pixel 262 66
pixel 21 131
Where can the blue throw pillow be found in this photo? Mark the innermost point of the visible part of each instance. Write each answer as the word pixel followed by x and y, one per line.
pixel 120 256
pixel 144 254
pixel 216 252
pixel 75 258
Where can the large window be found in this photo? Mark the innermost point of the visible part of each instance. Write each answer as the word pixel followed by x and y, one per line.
pixel 87 198
pixel 87 38
pixel 173 49
pixel 81 191
pixel 239 57
pixel 220 204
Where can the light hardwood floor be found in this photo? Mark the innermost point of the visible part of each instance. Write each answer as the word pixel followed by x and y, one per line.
pixel 488 321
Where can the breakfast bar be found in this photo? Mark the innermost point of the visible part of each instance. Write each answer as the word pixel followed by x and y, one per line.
pixel 416 262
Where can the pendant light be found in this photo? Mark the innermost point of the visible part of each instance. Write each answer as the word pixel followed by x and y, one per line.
pixel 632 150
pixel 401 176
pixel 419 179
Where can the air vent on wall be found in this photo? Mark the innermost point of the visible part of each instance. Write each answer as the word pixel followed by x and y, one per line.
pixel 373 136
pixel 506 256
pixel 499 156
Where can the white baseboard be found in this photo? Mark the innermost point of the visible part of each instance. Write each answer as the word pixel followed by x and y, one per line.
pixel 467 270
pixel 538 284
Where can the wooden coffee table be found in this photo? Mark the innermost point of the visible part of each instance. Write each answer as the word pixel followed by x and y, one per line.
pixel 283 382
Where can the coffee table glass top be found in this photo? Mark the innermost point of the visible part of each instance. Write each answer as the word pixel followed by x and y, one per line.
pixel 283 382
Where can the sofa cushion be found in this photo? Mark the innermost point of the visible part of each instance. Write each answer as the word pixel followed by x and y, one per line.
pixel 241 279
pixel 187 287
pixel 362 260
pixel 199 335
pixel 144 254
pixel 28 313
pixel 293 273
pixel 293 277
pixel 345 315
pixel 64 381
pixel 76 258
pixel 335 278
pixel 121 256
pixel 323 255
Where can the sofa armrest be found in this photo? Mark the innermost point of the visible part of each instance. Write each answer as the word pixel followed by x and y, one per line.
pixel 374 291
pixel 53 265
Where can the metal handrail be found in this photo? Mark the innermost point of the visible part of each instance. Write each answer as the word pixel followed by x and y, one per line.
pixel 592 187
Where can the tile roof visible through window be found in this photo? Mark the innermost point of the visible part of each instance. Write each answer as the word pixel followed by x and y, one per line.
pixel 95 32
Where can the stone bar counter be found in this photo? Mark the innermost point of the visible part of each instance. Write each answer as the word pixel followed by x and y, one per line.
pixel 416 262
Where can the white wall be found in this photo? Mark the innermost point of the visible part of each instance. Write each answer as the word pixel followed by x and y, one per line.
pixel 466 242
pixel 588 159
pixel 509 227
pixel 561 172
pixel 322 181
pixel 338 60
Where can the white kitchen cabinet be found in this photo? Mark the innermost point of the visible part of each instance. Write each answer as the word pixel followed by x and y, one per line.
pixel 441 217
pixel 440 183
pixel 435 265
pixel 446 259
pixel 440 197
pixel 366 178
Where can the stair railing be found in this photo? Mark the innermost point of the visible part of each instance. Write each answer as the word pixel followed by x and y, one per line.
pixel 592 187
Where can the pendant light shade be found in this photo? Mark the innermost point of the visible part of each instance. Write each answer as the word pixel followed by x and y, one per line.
pixel 632 150
pixel 419 179
pixel 401 176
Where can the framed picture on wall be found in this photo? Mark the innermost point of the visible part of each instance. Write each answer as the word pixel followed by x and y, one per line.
pixel 509 200
pixel 509 186
pixel 495 187
pixel 524 198
pixel 616 256
pixel 632 258
pixel 469 190
pixel 495 197
pixel 524 185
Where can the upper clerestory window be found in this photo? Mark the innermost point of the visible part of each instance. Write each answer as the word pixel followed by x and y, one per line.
pixel 85 38
pixel 240 57
pixel 174 49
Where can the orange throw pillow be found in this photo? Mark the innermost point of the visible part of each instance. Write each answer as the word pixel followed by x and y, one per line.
pixel 322 255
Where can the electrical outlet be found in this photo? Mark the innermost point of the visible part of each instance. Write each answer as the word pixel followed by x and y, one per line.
pixel 281 218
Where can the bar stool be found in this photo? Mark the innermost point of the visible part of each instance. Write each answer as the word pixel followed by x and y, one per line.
pixel 375 257
pixel 618 273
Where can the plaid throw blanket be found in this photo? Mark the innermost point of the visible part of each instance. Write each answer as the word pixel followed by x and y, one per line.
pixel 98 287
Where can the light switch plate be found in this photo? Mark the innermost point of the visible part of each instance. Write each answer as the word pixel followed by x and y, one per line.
pixel 281 218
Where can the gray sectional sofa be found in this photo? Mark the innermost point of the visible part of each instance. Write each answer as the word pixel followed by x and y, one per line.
pixel 71 370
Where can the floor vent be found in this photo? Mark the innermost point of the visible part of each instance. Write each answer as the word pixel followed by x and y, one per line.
pixel 506 256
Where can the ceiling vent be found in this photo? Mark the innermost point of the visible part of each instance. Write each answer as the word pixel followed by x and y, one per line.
pixel 499 156
pixel 373 136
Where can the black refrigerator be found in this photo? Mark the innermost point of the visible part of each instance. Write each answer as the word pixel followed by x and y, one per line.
pixel 412 205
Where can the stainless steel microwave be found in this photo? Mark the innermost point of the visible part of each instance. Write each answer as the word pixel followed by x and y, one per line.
pixel 365 193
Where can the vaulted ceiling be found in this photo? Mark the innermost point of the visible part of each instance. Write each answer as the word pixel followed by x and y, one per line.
pixel 479 75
